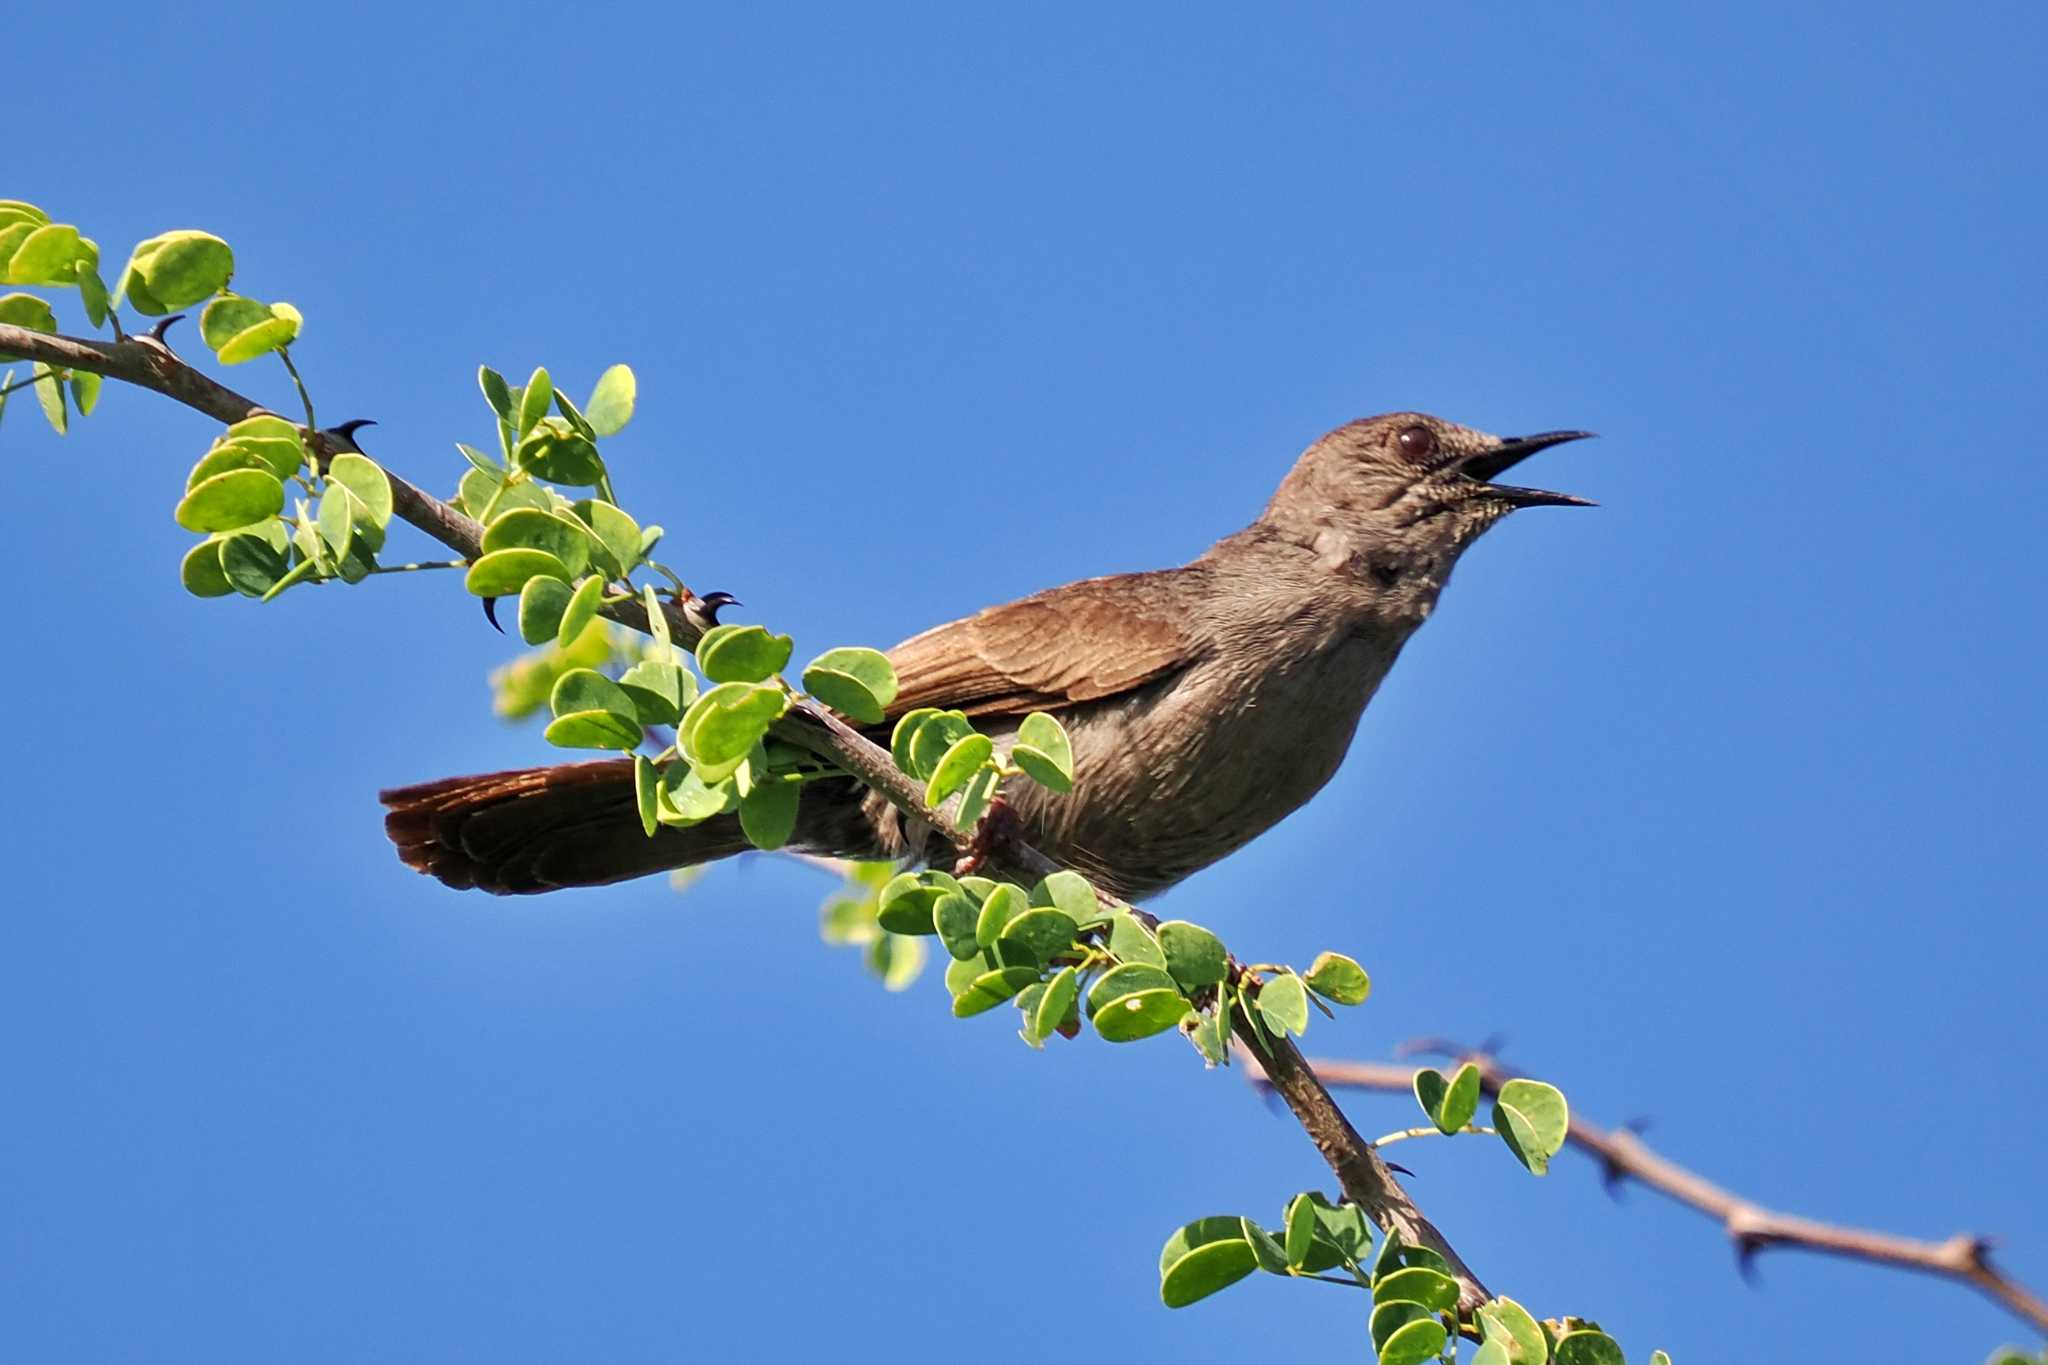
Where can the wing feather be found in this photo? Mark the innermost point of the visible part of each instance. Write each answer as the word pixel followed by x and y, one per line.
pixel 1081 642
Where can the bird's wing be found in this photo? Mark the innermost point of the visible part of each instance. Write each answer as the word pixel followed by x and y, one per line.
pixel 1082 642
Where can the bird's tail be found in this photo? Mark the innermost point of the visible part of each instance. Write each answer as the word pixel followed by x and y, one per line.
pixel 540 829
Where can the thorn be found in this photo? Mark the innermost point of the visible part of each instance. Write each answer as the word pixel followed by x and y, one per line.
pixel 1638 1125
pixel 1612 1177
pixel 1746 1247
pixel 156 333
pixel 491 614
pixel 1397 1166
pixel 1493 1044
pixel 347 430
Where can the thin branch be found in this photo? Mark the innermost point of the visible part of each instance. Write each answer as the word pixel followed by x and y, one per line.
pixel 1360 1170
pixel 1750 1226
pixel 148 363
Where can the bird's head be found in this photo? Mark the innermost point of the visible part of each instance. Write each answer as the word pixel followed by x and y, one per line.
pixel 1394 500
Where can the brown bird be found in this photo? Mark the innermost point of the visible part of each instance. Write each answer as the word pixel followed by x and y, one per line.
pixel 1204 703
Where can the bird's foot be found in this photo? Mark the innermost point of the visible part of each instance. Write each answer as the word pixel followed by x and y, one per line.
pixel 998 826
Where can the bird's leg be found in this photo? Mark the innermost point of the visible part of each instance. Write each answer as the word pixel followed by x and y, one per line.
pixel 997 827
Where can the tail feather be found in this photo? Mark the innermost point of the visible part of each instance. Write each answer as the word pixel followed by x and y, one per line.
pixel 539 829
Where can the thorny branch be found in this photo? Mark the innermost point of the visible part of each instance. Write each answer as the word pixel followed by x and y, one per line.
pixel 147 362
pixel 1749 1226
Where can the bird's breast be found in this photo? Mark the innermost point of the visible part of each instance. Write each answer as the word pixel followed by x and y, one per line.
pixel 1172 777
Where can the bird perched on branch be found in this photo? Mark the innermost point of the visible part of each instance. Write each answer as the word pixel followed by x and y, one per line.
pixel 1204 703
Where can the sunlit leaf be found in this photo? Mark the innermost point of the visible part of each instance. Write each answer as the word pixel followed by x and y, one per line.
pixel 239 497
pixel 611 402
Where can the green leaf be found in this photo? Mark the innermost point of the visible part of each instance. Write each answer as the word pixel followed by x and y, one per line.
pixel 496 392
pixel 534 400
pixel 363 477
pixel 200 571
pixel 1194 956
pixel 686 799
pixel 85 391
pixel 611 402
pixel 1344 1226
pixel 897 960
pixel 1211 1036
pixel 647 792
pixel 1390 1317
pixel 858 683
pixel 272 439
pixel 240 329
pixel 1140 1014
pixel 1339 978
pixel 1587 1348
pixel 555 451
pixel 533 529
pixel 1449 1104
pixel 1432 1289
pixel 224 502
pixel 956 766
pixel 723 724
pixel 1043 751
pixel 616 532
pixel 586 689
pixel 13 232
pixel 49 390
pixel 578 423
pixel 480 460
pixel 28 311
pixel 541 604
pixel 1494 1351
pixel 1204 1256
pixel 1266 1248
pixel 900 739
pixel 1044 932
pixel 592 730
pixel 908 904
pixel 1664 1358
pixel 933 738
pixel 990 989
pixel 254 560
pixel 657 619
pixel 768 812
pixel 657 689
pixel 1131 941
pixel 92 292
pixel 504 572
pixel 1002 904
pixel 176 270
pixel 47 254
pixel 1532 1119
pixel 21 211
pixel 742 654
pixel 976 797
pixel 336 521
pixel 581 611
pixel 1056 1007
pixel 1420 1340
pixel 1301 1230
pixel 954 916
pixel 1283 1004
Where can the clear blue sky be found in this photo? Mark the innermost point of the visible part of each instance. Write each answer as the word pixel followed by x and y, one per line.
pixel 1722 803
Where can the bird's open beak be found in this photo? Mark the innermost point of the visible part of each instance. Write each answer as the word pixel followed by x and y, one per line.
pixel 1511 452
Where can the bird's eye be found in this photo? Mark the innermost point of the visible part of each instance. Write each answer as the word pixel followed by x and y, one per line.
pixel 1418 442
